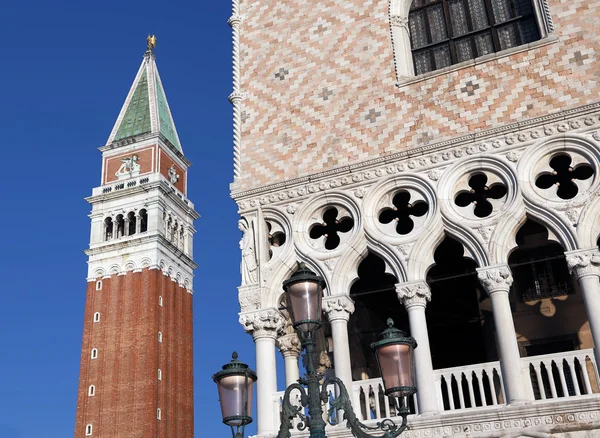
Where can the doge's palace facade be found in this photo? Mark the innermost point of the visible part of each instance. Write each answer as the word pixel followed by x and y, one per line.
pixel 437 161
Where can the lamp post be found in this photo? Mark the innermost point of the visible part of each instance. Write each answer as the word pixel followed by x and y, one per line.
pixel 395 356
pixel 235 382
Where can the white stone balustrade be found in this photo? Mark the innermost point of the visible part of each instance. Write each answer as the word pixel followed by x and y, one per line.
pixel 574 375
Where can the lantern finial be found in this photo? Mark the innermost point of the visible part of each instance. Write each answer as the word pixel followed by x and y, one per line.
pixel 390 322
pixel 234 355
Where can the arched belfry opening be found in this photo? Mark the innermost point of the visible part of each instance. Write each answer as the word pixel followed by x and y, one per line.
pixel 375 300
pixel 547 307
pixel 459 316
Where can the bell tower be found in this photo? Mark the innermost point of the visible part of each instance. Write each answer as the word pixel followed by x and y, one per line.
pixel 136 375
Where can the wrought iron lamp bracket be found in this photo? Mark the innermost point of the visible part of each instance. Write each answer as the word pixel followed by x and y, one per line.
pixel 340 403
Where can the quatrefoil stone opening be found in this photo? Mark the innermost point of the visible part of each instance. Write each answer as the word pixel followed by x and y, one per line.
pixel 332 228
pixel 565 177
pixel 482 196
pixel 401 211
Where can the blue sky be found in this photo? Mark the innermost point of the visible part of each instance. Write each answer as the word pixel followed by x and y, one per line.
pixel 65 71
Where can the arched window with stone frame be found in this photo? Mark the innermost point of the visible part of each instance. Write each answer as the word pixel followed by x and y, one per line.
pixel 143 220
pixel 108 228
pixel 120 226
pixel 131 223
pixel 429 35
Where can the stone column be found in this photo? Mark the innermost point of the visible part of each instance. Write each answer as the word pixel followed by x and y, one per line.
pixel 497 281
pixel 414 296
pixel 585 266
pixel 338 309
pixel 138 223
pixel 290 347
pixel 126 226
pixel 264 326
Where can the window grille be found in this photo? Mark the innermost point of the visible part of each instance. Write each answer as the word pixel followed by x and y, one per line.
pixel 446 32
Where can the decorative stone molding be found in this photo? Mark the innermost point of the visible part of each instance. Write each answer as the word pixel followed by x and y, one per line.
pixel 289 345
pixel 500 140
pixel 265 323
pixel 249 298
pixel 111 265
pixel 496 278
pixel 338 307
pixel 413 294
pixel 583 263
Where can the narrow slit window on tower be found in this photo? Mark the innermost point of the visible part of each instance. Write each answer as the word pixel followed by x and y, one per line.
pixel 447 32
pixel 91 391
pixel 94 353
pixel 160 301
pixel 159 374
pixel 88 430
pixel 158 414
pixel 159 336
pixel 97 317
pixel 99 285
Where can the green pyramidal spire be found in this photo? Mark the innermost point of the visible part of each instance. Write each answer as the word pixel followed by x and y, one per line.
pixel 146 109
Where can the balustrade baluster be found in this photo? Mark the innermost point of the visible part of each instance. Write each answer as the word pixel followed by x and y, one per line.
pixel 586 376
pixel 481 388
pixel 551 379
pixel 538 374
pixel 490 376
pixel 448 383
pixel 471 392
pixel 571 362
pixel 563 380
pixel 461 397
pixel 377 404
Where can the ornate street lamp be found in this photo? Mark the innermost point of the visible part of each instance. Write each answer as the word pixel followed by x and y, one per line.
pixel 394 351
pixel 395 356
pixel 235 382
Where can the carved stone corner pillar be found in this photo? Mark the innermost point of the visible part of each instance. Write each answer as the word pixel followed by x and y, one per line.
pixel 414 296
pixel 264 326
pixel 338 309
pixel 249 298
pixel 496 280
pixel 585 267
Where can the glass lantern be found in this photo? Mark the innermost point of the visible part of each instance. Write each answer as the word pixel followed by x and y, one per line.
pixel 395 353
pixel 235 383
pixel 304 292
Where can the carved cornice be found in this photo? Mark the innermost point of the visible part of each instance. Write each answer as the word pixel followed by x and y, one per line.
pixel 584 263
pixel 499 140
pixel 495 278
pixel 413 294
pixel 265 323
pixel 338 307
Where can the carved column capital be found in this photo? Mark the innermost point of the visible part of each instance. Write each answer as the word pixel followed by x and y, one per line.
pixel 416 293
pixel 266 323
pixel 584 262
pixel 338 307
pixel 495 278
pixel 289 345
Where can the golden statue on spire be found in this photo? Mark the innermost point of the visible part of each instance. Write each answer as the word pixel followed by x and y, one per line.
pixel 151 39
